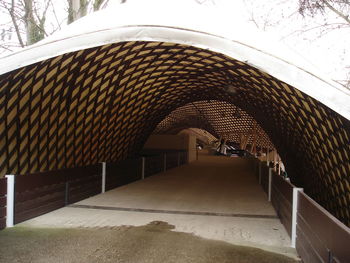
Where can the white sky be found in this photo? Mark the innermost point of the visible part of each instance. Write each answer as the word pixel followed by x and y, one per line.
pixel 330 52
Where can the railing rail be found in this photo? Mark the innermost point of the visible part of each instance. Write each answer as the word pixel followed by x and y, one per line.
pixel 316 234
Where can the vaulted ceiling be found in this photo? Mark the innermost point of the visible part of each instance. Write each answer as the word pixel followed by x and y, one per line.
pixel 220 118
pixel 101 104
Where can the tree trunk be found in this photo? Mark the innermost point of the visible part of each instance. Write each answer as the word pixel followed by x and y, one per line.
pixel 15 24
pixel 76 9
pixel 34 33
pixel 97 4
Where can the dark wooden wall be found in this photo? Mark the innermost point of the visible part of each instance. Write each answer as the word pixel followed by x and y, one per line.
pixel 320 236
pixel 282 200
pixel 3 191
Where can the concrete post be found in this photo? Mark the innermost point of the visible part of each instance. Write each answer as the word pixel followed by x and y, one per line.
pixel 279 165
pixel 164 168
pixel 270 184
pixel 275 160
pixel 10 200
pixel 268 157
pixel 103 177
pixel 143 168
pixel 294 215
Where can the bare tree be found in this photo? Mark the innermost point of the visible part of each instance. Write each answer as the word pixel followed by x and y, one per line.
pixel 97 4
pixel 77 9
pixel 309 25
pixel 32 20
pixel 27 21
pixel 339 7
pixel 80 8
pixel 10 8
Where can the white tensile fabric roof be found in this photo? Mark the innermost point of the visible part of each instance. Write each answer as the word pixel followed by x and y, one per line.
pixel 190 24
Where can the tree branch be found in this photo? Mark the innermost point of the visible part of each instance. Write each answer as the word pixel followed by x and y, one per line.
pixel 340 14
pixel 14 21
pixel 54 12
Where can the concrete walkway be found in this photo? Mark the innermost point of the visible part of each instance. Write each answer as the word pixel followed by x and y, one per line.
pixel 214 197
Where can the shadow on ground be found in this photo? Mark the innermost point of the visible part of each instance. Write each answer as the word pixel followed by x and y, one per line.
pixel 154 242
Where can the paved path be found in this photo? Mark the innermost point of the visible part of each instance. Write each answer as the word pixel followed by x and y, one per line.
pixel 215 198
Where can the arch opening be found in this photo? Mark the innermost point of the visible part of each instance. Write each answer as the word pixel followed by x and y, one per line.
pixel 221 119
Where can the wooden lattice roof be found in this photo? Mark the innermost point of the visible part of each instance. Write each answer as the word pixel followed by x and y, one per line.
pixel 100 104
pixel 219 118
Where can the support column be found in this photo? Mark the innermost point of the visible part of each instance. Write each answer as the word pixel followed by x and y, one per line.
pixel 10 200
pixel 270 184
pixel 103 177
pixel 294 215
pixel 279 165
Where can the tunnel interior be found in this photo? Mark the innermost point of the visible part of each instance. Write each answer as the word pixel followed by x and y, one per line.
pixel 102 103
pixel 219 119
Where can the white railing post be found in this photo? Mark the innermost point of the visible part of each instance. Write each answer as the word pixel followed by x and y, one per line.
pixel 10 200
pixel 143 168
pixel 294 215
pixel 270 184
pixel 164 162
pixel 103 177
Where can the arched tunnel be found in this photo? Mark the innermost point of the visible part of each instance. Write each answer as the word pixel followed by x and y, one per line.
pixel 83 99
pixel 216 119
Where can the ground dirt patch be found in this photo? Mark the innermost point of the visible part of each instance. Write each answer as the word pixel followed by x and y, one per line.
pixel 154 242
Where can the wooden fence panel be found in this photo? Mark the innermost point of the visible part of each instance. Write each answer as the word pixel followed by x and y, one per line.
pixel 153 165
pixel 84 187
pixel 37 194
pixel 183 158
pixel 265 178
pixel 256 163
pixel 282 199
pixel 320 236
pixel 122 173
pixel 3 192
pixel 40 193
pixel 172 160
